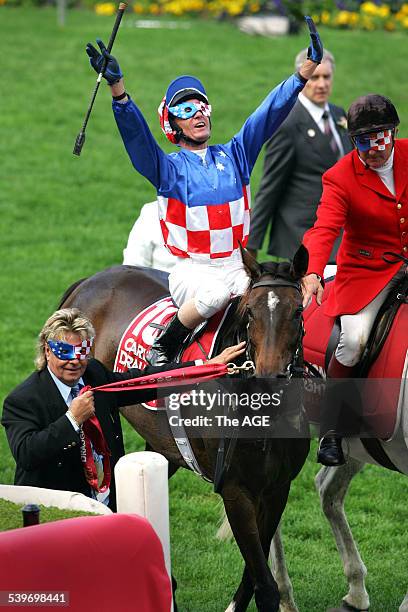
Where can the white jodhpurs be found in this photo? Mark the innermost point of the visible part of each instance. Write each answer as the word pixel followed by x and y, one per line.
pixel 210 283
pixel 356 328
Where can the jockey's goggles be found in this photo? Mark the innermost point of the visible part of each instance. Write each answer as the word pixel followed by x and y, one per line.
pixel 66 351
pixel 377 141
pixel 185 110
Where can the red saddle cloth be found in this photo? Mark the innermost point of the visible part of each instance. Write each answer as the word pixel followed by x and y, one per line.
pixel 103 563
pixel 140 335
pixel 383 391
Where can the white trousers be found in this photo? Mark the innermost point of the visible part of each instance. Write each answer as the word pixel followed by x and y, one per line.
pixel 356 328
pixel 210 283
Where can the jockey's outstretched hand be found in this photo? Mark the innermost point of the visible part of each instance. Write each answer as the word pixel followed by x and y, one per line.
pixel 314 52
pixel 229 354
pixel 112 72
pixel 311 285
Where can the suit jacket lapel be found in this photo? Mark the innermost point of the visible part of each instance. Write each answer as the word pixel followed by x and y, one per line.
pixel 369 178
pixel 400 172
pixel 313 135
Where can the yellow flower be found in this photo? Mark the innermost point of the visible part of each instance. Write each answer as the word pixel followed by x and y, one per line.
pixel 389 25
pixel 254 7
pixel 342 18
pixel 383 11
pixel 405 22
pixel 354 18
pixel 369 8
pixel 105 8
pixel 154 9
pixel 325 17
pixel 138 8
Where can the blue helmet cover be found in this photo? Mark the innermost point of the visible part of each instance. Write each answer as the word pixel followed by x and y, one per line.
pixel 183 86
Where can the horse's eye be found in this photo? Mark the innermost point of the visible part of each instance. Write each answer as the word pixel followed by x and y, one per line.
pixel 249 313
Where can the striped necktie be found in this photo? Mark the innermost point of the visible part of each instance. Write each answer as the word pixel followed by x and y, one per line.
pixel 75 390
pixel 329 133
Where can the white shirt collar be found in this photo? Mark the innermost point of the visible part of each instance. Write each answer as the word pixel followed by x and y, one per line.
pixel 64 389
pixel 314 110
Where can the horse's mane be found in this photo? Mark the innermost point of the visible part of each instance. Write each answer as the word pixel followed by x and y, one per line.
pixel 68 292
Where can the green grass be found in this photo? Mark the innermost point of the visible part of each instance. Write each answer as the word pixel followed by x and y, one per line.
pixel 12 518
pixel 64 217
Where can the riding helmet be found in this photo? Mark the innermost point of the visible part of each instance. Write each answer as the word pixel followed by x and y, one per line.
pixel 371 113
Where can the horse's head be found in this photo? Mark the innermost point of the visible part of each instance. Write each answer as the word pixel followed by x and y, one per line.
pixel 272 311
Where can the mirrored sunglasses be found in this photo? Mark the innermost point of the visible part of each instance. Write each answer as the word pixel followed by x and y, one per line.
pixel 185 110
pixel 66 351
pixel 377 142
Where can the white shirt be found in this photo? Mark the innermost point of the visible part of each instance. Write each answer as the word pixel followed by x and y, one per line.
pixel 386 173
pixel 316 113
pixel 145 245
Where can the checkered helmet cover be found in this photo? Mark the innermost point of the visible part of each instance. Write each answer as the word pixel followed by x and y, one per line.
pixel 181 88
pixel 371 113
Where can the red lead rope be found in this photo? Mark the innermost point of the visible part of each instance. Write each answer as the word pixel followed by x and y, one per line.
pixel 169 378
pixel 91 431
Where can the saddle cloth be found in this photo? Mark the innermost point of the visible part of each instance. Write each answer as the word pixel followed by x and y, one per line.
pixel 387 378
pixel 140 335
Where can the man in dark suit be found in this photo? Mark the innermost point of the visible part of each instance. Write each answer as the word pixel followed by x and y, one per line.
pixel 62 440
pixel 309 142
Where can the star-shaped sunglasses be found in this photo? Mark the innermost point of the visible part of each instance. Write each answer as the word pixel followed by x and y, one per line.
pixel 66 351
pixel 185 110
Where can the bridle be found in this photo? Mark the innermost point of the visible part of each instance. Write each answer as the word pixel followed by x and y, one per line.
pixel 294 368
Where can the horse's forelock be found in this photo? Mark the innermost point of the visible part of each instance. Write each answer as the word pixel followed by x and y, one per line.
pixel 275 269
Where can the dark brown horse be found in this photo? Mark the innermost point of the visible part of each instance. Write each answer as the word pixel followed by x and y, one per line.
pixel 256 486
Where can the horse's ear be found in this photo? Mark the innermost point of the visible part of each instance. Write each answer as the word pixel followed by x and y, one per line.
pixel 251 265
pixel 300 262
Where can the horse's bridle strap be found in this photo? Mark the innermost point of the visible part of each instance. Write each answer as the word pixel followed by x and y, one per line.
pixel 277 282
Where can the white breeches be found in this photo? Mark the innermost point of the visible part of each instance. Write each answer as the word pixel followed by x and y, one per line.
pixel 356 328
pixel 210 283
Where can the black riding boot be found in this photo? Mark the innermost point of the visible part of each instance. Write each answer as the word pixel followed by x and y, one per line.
pixel 330 451
pixel 166 347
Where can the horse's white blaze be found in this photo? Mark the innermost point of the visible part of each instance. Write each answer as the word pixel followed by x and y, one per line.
pixel 273 301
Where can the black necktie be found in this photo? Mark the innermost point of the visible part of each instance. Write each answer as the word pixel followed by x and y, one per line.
pixel 330 135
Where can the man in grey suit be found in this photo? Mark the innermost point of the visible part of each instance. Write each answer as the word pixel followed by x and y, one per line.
pixel 309 142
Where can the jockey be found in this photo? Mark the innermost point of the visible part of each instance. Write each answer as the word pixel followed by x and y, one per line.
pixel 203 191
pixel 366 193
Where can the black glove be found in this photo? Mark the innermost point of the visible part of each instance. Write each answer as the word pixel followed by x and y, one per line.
pixel 112 72
pixel 315 51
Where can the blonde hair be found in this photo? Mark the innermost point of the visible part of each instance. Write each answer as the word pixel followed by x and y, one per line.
pixel 62 322
pixel 302 56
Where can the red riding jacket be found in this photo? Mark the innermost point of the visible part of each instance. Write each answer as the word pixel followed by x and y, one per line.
pixel 374 221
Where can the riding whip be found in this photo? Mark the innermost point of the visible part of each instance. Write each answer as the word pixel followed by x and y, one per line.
pixel 80 139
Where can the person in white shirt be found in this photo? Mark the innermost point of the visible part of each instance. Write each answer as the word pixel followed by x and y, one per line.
pixel 145 246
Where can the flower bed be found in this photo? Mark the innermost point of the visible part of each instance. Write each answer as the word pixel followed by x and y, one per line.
pixel 351 14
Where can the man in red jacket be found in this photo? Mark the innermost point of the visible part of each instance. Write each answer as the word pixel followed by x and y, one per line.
pixel 366 193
